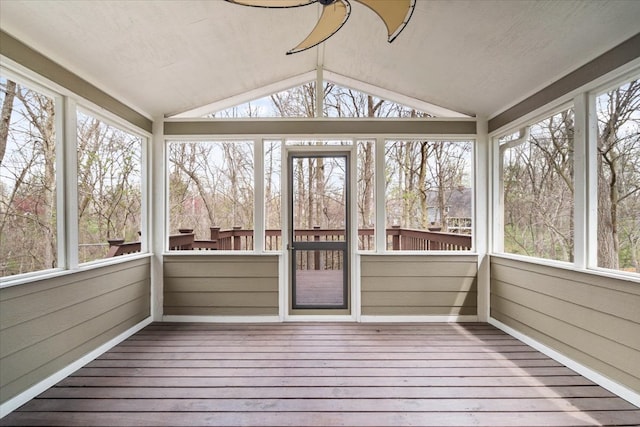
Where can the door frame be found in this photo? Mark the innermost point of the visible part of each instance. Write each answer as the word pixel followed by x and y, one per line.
pixel 352 300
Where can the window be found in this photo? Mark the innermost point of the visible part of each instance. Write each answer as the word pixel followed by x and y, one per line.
pixel 109 190
pixel 538 189
pixel 344 102
pixel 338 101
pixel 428 194
pixel 28 183
pixel 211 195
pixel 618 172
pixel 366 199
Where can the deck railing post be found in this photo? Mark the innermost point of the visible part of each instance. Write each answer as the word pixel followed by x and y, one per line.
pixel 396 238
pixel 237 242
pixel 316 254
pixel 214 235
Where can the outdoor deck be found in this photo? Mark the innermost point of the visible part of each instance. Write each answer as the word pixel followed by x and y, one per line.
pixel 324 375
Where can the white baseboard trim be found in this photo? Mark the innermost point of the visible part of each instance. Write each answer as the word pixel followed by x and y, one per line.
pixel 616 388
pixel 19 400
pixel 418 319
pixel 320 318
pixel 222 319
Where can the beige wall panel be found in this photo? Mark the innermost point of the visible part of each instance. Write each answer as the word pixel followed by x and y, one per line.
pixel 31 332
pixel 25 368
pixel 220 311
pixel 603 324
pixel 418 285
pixel 412 284
pixel 419 299
pixel 220 284
pixel 48 324
pixel 221 299
pixel 29 301
pixel 585 359
pixel 603 348
pixel 419 311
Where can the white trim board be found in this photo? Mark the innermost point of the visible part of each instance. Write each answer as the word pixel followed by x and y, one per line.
pixel 221 319
pixel 15 402
pixel 603 381
pixel 418 319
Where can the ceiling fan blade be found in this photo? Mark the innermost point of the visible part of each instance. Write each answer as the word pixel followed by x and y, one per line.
pixel 332 19
pixel 394 13
pixel 273 3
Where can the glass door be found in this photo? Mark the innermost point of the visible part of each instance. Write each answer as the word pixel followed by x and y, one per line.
pixel 319 227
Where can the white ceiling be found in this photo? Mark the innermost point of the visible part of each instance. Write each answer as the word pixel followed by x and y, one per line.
pixel 164 57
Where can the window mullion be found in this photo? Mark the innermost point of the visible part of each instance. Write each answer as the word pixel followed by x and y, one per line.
pixel 70 183
pixel 580 170
pixel 380 197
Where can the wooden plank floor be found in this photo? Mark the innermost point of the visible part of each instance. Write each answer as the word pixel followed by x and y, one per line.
pixel 324 375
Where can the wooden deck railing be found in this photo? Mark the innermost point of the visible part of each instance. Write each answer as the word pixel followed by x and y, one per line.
pixel 237 239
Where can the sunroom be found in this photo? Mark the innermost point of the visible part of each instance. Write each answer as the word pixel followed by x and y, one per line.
pixel 348 226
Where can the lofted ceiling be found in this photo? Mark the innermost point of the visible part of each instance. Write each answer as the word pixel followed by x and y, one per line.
pixel 165 57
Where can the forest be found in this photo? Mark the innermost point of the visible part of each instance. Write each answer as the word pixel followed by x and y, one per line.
pixel 428 183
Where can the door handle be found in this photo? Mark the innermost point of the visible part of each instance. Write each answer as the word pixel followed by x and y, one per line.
pixel 290 247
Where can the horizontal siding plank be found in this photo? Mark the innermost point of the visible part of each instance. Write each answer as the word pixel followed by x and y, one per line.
pixel 220 284
pixel 66 280
pixel 605 325
pixel 414 284
pixel 220 311
pixel 419 299
pixel 612 301
pixel 629 285
pixel 221 299
pixel 581 342
pixel 398 268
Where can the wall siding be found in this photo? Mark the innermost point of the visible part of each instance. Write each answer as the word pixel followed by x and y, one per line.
pixel 419 285
pixel 221 285
pixel 592 319
pixel 48 324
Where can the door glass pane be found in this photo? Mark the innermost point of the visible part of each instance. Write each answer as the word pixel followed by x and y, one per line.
pixel 319 198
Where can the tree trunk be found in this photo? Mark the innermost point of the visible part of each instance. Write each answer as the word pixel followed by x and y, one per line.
pixel 5 119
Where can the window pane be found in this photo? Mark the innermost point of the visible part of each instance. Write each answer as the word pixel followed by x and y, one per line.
pixel 618 165
pixel 272 195
pixel 366 202
pixel 428 195
pixel 538 190
pixel 295 102
pixel 109 190
pixel 344 102
pixel 28 228
pixel 211 195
